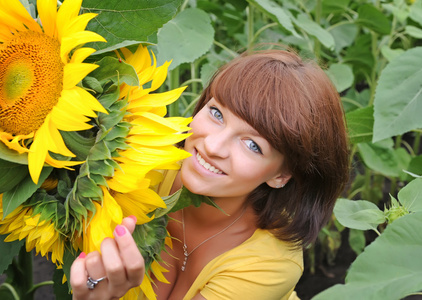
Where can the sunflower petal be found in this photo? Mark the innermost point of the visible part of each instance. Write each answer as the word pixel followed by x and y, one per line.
pixel 47 10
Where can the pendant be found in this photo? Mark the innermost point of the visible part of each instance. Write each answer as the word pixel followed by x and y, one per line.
pixel 185 253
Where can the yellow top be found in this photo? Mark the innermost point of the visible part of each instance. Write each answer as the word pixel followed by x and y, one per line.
pixel 262 267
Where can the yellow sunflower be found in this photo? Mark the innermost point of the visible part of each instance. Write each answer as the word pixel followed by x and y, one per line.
pixel 38 77
pixel 151 147
pixel 41 235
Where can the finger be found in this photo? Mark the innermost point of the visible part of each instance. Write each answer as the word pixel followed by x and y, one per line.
pixel 113 264
pixel 78 276
pixel 130 223
pixel 130 255
pixel 95 268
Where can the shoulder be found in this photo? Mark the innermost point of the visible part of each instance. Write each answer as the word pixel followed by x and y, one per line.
pixel 262 253
pixel 264 246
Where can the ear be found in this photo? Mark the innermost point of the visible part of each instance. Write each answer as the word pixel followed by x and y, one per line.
pixel 279 181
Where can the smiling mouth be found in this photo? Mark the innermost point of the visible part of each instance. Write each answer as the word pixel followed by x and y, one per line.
pixel 206 165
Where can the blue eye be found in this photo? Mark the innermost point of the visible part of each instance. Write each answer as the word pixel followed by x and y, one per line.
pixel 216 113
pixel 253 146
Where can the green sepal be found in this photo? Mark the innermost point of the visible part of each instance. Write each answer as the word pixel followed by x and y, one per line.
pixel 87 187
pixel 115 145
pixel 111 69
pixel 11 174
pixel 93 84
pixel 99 152
pixel 188 198
pixel 101 167
pixel 107 122
pixel 170 202
pixel 11 155
pixel 99 179
pixel 121 130
pixel 78 144
pixel 22 191
pixel 150 239
pixel 111 95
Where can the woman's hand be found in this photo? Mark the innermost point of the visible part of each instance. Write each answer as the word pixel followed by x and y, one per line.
pixel 120 262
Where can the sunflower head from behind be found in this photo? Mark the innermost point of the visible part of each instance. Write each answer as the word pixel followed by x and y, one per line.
pixel 87 156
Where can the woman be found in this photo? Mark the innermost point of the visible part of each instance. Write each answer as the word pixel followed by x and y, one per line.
pixel 269 147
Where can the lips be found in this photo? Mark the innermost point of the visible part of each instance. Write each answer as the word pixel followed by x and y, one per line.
pixel 206 165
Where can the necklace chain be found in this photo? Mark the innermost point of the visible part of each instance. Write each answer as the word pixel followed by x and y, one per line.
pixel 185 247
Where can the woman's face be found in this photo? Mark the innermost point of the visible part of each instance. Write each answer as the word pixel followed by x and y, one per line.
pixel 229 157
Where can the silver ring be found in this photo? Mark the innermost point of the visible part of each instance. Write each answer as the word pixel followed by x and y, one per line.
pixel 91 283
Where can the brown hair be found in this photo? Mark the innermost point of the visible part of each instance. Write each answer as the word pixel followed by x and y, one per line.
pixel 295 107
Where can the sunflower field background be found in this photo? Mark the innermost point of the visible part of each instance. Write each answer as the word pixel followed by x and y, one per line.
pixel 89 117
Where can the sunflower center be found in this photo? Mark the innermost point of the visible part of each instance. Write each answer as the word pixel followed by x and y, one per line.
pixel 31 80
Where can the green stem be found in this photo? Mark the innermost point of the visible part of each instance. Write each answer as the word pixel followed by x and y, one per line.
pixel 174 83
pixel 231 52
pixel 318 13
pixel 262 29
pixel 193 76
pixel 374 69
pixel 11 290
pixel 250 20
pixel 185 3
pixel 367 184
pixel 25 268
pixel 38 285
pixel 416 143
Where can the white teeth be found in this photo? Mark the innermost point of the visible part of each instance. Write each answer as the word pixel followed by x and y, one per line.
pixel 206 165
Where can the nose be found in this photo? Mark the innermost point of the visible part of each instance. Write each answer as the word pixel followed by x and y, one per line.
pixel 217 144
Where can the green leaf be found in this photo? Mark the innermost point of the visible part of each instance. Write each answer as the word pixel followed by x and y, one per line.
pixel 341 75
pixel 389 53
pixel 415 165
pixel 353 99
pixel 398 96
pixel 8 250
pixel 371 18
pixel 277 13
pixel 335 6
pixel 314 29
pixel 10 155
pixel 358 54
pixel 61 291
pixel 411 197
pixel 111 69
pixel 11 174
pixel 344 35
pixel 120 21
pixel 185 38
pixel 360 123
pixel 357 240
pixel 22 191
pixel 413 31
pixel 416 13
pixel 388 269
pixel 380 158
pixel 358 214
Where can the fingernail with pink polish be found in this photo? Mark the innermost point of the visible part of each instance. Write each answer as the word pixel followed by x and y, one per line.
pixel 133 218
pixel 82 255
pixel 120 230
